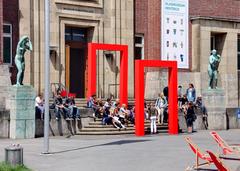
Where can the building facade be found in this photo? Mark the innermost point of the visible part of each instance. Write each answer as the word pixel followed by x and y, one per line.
pixel 212 25
pixel 73 24
pixel 10 35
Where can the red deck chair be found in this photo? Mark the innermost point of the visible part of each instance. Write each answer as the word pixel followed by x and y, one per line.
pixel 226 148
pixel 218 163
pixel 199 154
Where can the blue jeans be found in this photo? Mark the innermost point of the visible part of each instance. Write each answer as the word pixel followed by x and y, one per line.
pixel 74 112
pixel 62 111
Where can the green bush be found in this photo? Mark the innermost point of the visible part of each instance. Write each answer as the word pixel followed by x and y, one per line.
pixel 7 167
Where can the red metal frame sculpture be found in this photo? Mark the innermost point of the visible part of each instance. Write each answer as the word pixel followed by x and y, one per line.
pixel 92 48
pixel 139 94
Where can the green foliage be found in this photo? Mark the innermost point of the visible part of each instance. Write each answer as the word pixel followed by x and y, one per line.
pixel 7 167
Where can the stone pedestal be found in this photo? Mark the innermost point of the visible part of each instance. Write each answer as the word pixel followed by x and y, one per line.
pixel 22 112
pixel 214 100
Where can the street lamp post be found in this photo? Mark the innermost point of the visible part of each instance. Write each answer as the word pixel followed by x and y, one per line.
pixel 47 86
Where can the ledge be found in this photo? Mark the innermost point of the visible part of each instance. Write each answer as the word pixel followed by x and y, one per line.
pixel 215 18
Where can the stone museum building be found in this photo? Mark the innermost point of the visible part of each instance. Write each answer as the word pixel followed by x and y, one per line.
pixel 212 25
pixel 74 24
pixel 136 23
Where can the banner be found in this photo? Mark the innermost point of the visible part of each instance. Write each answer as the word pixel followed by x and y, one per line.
pixel 175 32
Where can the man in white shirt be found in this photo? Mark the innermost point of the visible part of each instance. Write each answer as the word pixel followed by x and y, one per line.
pixel 39 105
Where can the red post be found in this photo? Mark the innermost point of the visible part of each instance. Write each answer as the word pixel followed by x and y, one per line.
pixel 139 98
pixel 91 70
pixel 92 48
pixel 173 106
pixel 124 76
pixel 139 94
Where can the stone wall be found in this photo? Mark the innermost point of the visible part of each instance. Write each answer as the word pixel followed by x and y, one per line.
pixel 233 122
pixel 155 81
pixel 62 127
pixel 57 128
pixel 4 124
pixel 228 9
pixel 4 85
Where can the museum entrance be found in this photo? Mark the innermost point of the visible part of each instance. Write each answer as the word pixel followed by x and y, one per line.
pixel 76 54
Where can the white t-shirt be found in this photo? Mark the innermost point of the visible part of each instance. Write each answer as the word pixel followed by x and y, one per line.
pixel 38 101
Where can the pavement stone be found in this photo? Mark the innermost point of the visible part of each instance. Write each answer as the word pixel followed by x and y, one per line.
pixel 119 153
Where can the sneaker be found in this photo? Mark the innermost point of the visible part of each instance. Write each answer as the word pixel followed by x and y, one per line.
pixel 57 119
pixel 67 119
pixel 78 119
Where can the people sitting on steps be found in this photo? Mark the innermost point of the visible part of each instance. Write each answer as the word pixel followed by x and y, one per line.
pixel 65 107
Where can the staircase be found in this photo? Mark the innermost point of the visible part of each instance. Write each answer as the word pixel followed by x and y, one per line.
pixel 82 102
pixel 96 128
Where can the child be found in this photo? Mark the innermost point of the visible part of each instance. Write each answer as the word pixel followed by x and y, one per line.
pixel 153 117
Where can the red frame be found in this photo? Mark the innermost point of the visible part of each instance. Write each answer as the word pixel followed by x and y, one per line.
pixel 139 94
pixel 92 48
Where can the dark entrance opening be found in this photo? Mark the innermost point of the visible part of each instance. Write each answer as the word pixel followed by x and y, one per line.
pixel 76 53
pixel 77 71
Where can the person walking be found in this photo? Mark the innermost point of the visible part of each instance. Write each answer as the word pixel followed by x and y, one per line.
pixel 160 105
pixel 190 117
pixel 153 116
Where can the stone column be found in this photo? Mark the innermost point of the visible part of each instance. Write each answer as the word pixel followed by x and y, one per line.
pixel 214 100
pixel 22 112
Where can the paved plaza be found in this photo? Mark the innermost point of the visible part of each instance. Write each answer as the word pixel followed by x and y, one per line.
pixel 118 153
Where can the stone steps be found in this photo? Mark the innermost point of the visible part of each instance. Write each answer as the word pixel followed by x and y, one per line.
pixel 130 125
pixel 82 102
pixel 117 132
pixel 96 128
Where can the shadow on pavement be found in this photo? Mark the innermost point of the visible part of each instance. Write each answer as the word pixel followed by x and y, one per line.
pixel 121 142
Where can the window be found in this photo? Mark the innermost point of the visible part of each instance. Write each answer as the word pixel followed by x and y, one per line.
pixel 213 42
pixel 238 51
pixel 7 43
pixel 139 46
pixel 75 34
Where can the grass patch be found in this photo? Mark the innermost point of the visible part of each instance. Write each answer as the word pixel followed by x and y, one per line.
pixel 7 167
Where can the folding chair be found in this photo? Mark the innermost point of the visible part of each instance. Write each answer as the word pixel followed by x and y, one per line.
pixel 199 154
pixel 218 163
pixel 226 148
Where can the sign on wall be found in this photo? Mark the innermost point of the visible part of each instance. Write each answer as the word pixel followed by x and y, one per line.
pixel 175 32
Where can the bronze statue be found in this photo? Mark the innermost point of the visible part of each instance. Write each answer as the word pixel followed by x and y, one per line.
pixel 213 65
pixel 23 45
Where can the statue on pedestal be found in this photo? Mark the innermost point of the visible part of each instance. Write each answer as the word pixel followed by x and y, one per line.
pixel 23 45
pixel 214 61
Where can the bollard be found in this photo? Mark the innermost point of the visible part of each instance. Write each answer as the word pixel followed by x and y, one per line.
pixel 14 155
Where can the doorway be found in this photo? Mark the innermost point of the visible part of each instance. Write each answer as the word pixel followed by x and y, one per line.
pixel 76 54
